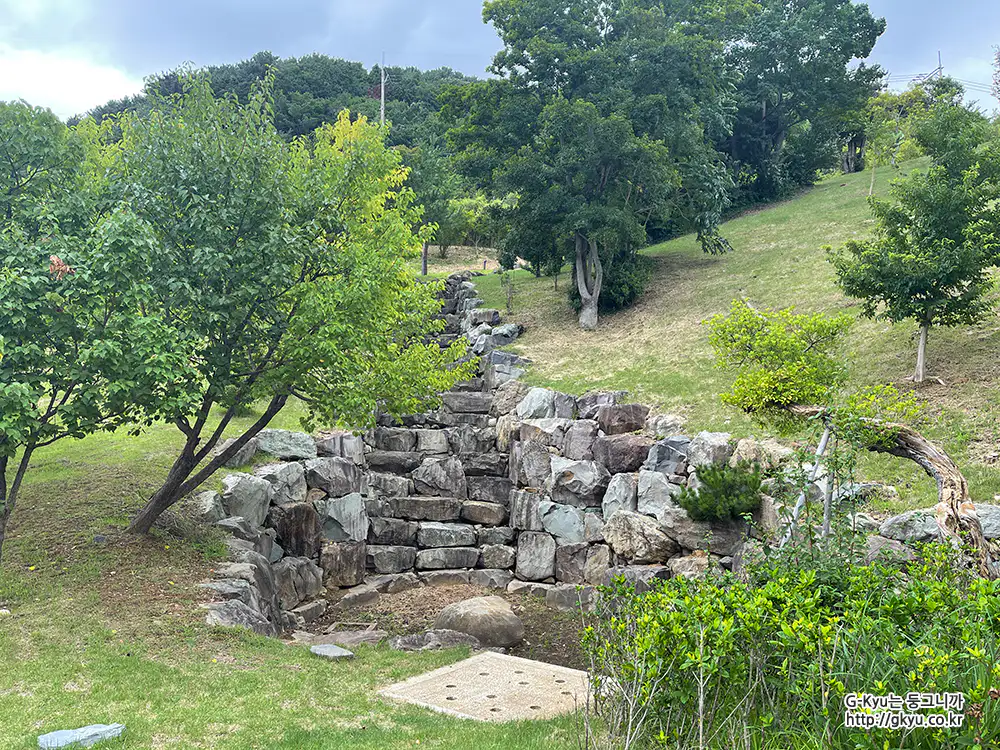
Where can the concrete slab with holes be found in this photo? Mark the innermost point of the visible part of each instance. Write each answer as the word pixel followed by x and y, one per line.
pixel 496 687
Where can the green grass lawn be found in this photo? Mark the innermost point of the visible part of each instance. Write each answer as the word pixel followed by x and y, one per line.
pixel 112 631
pixel 659 348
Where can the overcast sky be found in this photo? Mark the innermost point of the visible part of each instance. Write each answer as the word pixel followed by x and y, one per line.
pixel 72 55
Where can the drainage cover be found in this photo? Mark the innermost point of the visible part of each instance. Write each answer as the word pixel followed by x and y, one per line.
pixel 496 687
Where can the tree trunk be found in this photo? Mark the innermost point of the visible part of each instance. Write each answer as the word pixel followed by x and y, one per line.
pixel 956 513
pixel 871 188
pixel 423 261
pixel 180 481
pixel 589 277
pixel 920 373
pixel 8 494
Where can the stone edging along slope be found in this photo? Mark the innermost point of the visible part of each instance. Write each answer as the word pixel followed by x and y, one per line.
pixel 504 487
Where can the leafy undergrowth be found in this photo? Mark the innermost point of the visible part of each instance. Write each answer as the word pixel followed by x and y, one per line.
pixel 106 627
pixel 658 350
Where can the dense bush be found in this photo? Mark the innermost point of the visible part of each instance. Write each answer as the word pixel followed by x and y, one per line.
pixel 725 492
pixel 625 279
pixel 767 662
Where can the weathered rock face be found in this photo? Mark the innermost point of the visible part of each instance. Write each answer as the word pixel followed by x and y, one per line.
pixel 888 550
pixel 341 444
pixel 246 496
pixel 393 531
pixel 668 456
pixel 589 403
pixel 487 514
pixel 487 489
pixel 622 453
pixel 444 558
pixel 564 522
pixel 638 538
pixel 525 513
pixel 389 485
pixel 578 483
pixel 393 462
pixel 470 439
pixel 242 457
pixel 530 464
pixel 767 454
pixel 661 426
pixel 207 506
pixel 622 418
pixel 441 477
pixel 394 439
pixel 391 559
pixel 571 562
pixel 507 396
pixel 695 565
pixel 579 441
pixel 434 534
pixel 912 526
pixel 487 618
pixel 655 494
pixel 343 563
pixel 536 556
pixel 548 432
pixel 595 571
pixel 236 614
pixel 433 640
pixel 490 578
pixel 622 494
pixel 298 527
pixel 484 465
pixel 425 508
pixel 286 445
pixel 298 579
pixel 641 577
pixel 343 519
pixel 497 556
pixel 467 402
pixel 432 441
pixel 496 535
pixel 288 481
pixel 539 403
pixel 710 448
pixel 337 477
pixel 720 537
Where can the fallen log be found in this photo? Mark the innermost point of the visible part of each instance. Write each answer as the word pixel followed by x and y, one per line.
pixel 956 514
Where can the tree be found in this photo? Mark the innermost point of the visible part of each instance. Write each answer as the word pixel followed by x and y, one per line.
pixel 80 354
pixel 793 63
pixel 603 121
pixel 286 265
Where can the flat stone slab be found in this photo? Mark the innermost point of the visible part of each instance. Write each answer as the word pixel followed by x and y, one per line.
pixel 329 651
pixel 497 688
pixel 84 737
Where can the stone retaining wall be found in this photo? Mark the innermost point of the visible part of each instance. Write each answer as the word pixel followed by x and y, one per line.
pixel 504 486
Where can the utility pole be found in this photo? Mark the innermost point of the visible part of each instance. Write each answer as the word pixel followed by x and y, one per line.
pixel 382 89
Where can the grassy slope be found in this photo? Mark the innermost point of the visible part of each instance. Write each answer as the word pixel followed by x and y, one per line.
pixel 112 632
pixel 658 350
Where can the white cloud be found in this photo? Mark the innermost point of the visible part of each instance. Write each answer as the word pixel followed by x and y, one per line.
pixel 66 82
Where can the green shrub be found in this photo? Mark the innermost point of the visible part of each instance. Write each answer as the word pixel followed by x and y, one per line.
pixel 736 664
pixel 725 492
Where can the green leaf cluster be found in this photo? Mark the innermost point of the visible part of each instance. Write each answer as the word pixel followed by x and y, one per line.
pixel 724 492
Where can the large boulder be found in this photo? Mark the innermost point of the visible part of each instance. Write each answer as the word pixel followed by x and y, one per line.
pixel 432 441
pixel 579 441
pixel 343 563
pixel 286 445
pixel 767 454
pixel 467 402
pixel 565 522
pixel 621 494
pixel 539 403
pixel 287 479
pixel 487 489
pixel 638 538
pixel 571 562
pixel 710 448
pixel 299 530
pixel 589 403
pixel 579 483
pixel 344 519
pixel 242 457
pixel 393 462
pixel 444 558
pixel 497 556
pixel 298 579
pixel 525 513
pixel 719 537
pixel 536 556
pixel 549 432
pixel 337 477
pixel 470 439
pixel 207 506
pixel 507 396
pixel 912 526
pixel 655 494
pixel 435 534
pixel 664 425
pixel 484 464
pixel 433 640
pixel 233 613
pixel 668 456
pixel 440 477
pixel 487 514
pixel 389 485
pixel 530 464
pixel 392 558
pixel 425 508
pixel 341 444
pixel 246 496
pixel 619 419
pixel 595 570
pixel 622 453
pixel 508 430
pixel 394 439
pixel 695 565
pixel 392 531
pixel 489 619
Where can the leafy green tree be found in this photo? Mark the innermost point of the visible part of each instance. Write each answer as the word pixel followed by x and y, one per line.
pixel 80 354
pixel 287 265
pixel 796 81
pixel 602 123
pixel 926 263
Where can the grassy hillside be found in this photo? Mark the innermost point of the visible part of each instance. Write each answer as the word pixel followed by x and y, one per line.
pixel 659 349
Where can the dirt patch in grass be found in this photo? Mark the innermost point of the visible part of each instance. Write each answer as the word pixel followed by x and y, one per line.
pixel 549 635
